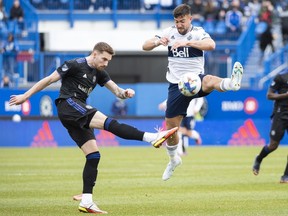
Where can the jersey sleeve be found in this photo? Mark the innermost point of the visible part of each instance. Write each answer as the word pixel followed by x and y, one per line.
pixel 64 68
pixel 275 84
pixel 202 34
pixel 103 78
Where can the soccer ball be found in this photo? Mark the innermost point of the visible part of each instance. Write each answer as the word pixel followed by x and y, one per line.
pixel 189 84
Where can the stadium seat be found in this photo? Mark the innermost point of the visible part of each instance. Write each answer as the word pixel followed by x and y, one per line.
pixel 209 26
pixel 220 27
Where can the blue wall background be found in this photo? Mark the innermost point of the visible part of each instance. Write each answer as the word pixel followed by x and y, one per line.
pixel 233 118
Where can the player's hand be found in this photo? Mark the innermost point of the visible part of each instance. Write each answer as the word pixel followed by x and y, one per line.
pixel 129 93
pixel 163 41
pixel 17 99
pixel 179 44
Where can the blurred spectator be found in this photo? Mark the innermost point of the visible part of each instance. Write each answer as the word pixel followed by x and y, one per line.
pixel 119 107
pixel 211 10
pixel 284 28
pixel 197 9
pixel 265 40
pixel 5 82
pixel 3 17
pixel 233 18
pixel 9 49
pixel 254 7
pixel 17 14
pixel 266 12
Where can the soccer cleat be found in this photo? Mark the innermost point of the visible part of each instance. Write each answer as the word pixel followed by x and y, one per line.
pixel 91 208
pixel 256 166
pixel 171 167
pixel 198 141
pixel 284 179
pixel 236 76
pixel 163 136
pixel 77 197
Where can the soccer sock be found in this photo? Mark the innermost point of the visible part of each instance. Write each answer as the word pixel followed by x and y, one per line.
pixel 264 152
pixel 286 169
pixel 225 84
pixel 123 130
pixel 172 151
pixel 90 175
pixel 86 199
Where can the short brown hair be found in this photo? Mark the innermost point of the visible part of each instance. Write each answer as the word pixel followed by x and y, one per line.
pixel 103 47
pixel 181 10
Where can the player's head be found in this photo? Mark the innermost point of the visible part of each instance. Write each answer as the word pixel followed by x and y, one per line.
pixel 101 55
pixel 182 18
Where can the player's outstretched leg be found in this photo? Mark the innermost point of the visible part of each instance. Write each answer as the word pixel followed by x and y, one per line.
pixel 256 166
pixel 91 208
pixel 171 166
pixel 163 136
pixel 236 76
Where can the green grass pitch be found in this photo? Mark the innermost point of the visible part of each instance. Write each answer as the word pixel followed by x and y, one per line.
pixel 211 181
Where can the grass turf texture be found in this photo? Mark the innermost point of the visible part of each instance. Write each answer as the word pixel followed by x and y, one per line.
pixel 211 181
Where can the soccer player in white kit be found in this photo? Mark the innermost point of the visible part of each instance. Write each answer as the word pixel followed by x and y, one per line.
pixel 186 45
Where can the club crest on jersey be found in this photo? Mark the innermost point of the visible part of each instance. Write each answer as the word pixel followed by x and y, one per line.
pixel 64 67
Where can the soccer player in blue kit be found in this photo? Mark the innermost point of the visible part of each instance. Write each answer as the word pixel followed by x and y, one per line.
pixel 79 77
pixel 186 45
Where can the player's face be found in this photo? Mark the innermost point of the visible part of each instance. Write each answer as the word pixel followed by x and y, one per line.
pixel 183 24
pixel 101 60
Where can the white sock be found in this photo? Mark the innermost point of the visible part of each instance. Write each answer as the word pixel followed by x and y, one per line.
pixel 86 199
pixel 225 84
pixel 195 135
pixel 149 137
pixel 172 151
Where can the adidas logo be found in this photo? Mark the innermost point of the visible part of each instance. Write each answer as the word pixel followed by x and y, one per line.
pixel 105 138
pixel 44 137
pixel 247 135
pixel 85 76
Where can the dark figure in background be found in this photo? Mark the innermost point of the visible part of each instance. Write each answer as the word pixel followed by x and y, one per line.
pixel 119 107
pixel 265 40
pixel 17 14
pixel 278 91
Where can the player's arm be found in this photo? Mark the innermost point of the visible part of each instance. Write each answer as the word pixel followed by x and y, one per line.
pixel 154 42
pixel 119 92
pixel 273 95
pixel 205 44
pixel 43 83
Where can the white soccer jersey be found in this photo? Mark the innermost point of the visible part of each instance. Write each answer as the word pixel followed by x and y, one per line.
pixel 184 59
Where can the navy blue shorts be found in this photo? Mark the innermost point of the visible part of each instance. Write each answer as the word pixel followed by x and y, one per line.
pixel 75 117
pixel 177 103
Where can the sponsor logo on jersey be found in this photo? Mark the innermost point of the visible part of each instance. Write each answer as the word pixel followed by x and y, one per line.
pixel 84 89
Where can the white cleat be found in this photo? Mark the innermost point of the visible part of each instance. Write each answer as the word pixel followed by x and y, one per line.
pixel 236 76
pixel 171 167
pixel 91 208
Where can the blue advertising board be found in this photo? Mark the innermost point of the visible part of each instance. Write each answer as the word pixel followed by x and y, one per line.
pixel 242 104
pixel 51 133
